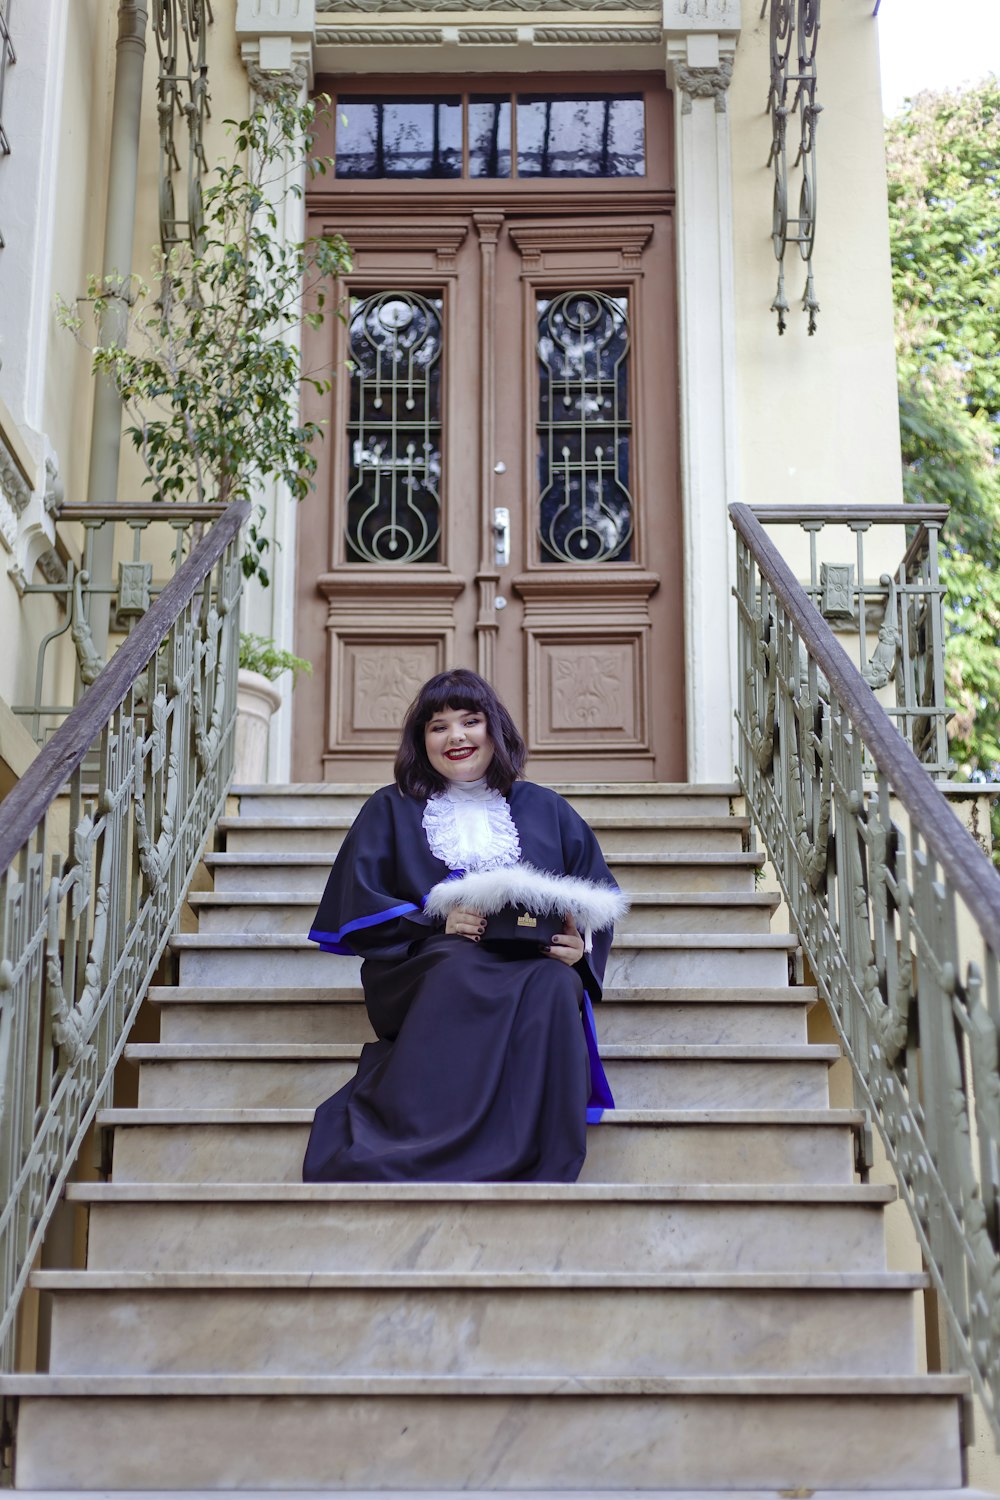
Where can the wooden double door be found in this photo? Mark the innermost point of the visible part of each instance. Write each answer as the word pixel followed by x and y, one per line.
pixel 498 489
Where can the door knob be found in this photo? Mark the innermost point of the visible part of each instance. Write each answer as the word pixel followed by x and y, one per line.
pixel 499 467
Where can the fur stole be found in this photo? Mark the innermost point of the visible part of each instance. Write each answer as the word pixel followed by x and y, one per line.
pixel 592 907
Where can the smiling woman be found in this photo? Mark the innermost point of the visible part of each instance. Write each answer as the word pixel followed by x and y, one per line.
pixel 486 1065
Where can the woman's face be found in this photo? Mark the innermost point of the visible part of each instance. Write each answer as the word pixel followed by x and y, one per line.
pixel 458 744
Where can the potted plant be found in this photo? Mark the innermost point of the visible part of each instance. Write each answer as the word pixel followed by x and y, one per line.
pixel 261 663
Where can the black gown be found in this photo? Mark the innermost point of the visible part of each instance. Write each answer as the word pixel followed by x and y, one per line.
pixel 486 1066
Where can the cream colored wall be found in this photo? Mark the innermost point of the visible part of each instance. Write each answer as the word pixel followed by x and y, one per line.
pixel 230 99
pixel 818 416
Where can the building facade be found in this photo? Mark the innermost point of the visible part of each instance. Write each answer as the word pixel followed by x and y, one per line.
pixel 559 362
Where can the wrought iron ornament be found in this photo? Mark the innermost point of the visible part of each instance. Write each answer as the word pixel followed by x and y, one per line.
pixel 795 30
pixel 93 873
pixel 393 501
pixel 585 509
pixel 183 103
pixel 898 913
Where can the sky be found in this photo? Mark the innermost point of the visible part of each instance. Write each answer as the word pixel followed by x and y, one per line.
pixel 920 49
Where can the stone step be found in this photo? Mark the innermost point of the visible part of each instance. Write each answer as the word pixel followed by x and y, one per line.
pixel 480 1324
pixel 214 1432
pixel 698 959
pixel 305 874
pixel 679 1016
pixel 651 1145
pixel 280 1075
pixel 322 1228
pixel 652 911
pixel 931 1493
pixel 591 799
pixel 615 834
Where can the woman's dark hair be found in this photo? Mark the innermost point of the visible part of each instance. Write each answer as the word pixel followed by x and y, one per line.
pixel 458 689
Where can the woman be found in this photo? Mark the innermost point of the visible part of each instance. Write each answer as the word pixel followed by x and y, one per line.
pixel 486 1065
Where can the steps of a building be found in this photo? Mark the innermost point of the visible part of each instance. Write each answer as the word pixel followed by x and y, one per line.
pixel 707 1308
pixel 639 1145
pixel 696 959
pixel 283 1076
pixel 305 874
pixel 225 1431
pixel 651 912
pixel 454 1227
pixel 773 1016
pixel 616 834
pixel 479 1325
pixel 932 1493
pixel 590 798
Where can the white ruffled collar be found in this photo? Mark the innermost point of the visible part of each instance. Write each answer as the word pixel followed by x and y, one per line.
pixel 468 826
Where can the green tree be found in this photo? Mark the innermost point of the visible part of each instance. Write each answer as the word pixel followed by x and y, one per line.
pixel 943 155
pixel 209 371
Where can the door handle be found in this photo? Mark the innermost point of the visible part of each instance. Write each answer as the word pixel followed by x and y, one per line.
pixel 501 536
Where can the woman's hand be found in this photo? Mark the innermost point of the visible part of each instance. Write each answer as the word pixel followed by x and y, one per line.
pixel 567 945
pixel 467 924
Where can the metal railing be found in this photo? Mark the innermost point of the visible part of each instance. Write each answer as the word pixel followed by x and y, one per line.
pixel 92 881
pixel 159 537
pixel 898 912
pixel 896 619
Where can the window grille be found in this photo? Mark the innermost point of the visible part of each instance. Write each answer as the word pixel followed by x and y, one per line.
pixel 7 56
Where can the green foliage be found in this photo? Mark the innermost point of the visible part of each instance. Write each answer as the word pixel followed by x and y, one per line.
pixel 207 363
pixel 258 653
pixel 943 156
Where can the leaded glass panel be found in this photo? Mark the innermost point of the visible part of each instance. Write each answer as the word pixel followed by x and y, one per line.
pixel 399 137
pixel 598 135
pixel 585 510
pixel 394 486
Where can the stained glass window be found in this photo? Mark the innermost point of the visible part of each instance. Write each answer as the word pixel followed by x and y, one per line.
pixel 584 432
pixel 399 137
pixel 597 135
pixel 394 429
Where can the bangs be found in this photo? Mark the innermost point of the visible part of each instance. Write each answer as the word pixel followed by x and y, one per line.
pixel 455 694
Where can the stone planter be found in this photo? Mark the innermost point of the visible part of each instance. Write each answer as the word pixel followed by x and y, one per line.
pixel 256 700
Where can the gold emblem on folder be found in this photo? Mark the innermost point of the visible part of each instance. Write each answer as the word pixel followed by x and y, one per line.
pixel 527 920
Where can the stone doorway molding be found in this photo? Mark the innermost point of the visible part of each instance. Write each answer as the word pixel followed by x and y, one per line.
pixel 278 40
pixel 700 38
pixel 275 39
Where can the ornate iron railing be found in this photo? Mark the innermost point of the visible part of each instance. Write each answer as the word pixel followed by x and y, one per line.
pixel 92 881
pixel 898 912
pixel 159 538
pixel 895 620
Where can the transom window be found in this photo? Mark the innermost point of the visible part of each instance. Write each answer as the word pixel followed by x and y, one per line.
pixel 491 136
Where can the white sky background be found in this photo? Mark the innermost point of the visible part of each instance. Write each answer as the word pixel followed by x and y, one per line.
pixel 934 44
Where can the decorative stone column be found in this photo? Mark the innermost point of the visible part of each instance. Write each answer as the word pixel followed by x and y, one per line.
pixel 276 43
pixel 701 40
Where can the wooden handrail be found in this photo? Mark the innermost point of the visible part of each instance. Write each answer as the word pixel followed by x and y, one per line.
pixel 143 510
pixel 954 848
pixel 26 804
pixel 841 515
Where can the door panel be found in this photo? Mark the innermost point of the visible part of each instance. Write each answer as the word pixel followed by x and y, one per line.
pixel 524 363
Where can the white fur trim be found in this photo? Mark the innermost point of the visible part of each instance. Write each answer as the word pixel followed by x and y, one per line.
pixel 488 891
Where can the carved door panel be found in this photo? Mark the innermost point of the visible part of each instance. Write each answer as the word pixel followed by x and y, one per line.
pixel 590 640
pixel 497 364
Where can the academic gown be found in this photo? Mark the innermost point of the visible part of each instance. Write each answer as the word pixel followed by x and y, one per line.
pixel 486 1067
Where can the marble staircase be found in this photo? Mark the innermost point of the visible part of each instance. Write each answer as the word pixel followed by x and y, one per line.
pixel 708 1309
